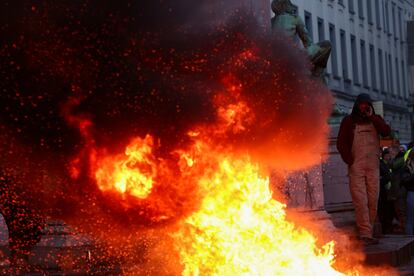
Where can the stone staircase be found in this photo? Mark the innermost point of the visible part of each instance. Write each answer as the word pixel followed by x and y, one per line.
pixel 60 252
pixel 393 250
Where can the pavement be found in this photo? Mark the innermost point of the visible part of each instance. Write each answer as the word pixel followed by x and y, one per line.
pixel 61 251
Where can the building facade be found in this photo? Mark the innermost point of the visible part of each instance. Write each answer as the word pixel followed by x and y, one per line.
pixel 372 52
pixel 370 40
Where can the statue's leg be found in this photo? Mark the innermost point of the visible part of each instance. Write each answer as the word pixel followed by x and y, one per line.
pixel 320 59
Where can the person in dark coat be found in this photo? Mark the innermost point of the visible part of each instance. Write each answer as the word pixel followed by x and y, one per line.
pixel 408 182
pixel 397 193
pixel 385 206
pixel 358 144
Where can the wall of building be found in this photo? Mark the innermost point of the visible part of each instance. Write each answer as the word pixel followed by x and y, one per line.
pixel 369 55
pixel 371 41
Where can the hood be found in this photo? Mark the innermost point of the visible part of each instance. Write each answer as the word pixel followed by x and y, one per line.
pixel 362 98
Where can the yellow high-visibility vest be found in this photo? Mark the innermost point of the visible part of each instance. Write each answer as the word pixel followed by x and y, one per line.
pixel 406 154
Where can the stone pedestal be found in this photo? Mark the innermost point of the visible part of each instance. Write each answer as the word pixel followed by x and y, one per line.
pixel 335 174
pixel 304 189
pixel 324 187
pixel 305 193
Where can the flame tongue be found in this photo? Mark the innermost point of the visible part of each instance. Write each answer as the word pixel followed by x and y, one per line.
pixel 130 173
pixel 240 229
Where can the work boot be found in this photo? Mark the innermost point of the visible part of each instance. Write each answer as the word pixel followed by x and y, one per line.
pixel 369 240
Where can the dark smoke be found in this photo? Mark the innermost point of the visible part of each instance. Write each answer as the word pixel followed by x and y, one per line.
pixel 142 67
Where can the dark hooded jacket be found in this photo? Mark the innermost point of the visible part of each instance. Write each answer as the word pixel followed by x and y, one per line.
pixel 347 128
pixel 407 179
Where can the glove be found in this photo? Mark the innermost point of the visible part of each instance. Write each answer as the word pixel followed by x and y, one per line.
pixel 388 185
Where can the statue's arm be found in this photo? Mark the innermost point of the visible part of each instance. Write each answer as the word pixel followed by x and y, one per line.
pixel 303 33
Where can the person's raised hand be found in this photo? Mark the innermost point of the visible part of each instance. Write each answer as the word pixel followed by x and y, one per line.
pixel 369 111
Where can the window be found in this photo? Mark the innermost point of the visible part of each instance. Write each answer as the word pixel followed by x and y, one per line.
pixel 390 76
pixel 403 79
pixel 344 57
pixel 369 11
pixel 295 9
pixel 361 9
pixel 387 72
pixel 400 23
pixel 381 70
pixel 373 67
pixel 378 13
pixel 351 6
pixel 354 60
pixel 321 29
pixel 364 65
pixel 332 38
pixel 394 22
pixel 397 67
pixel 387 17
pixel 308 23
pixel 384 15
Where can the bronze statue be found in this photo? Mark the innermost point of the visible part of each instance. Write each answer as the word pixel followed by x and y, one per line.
pixel 287 20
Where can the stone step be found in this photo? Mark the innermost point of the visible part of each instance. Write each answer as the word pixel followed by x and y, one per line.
pixel 63 260
pixel 116 271
pixel 58 228
pixel 393 250
pixel 407 270
pixel 61 251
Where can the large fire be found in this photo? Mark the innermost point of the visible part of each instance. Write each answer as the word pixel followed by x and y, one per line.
pixel 238 228
pixel 209 101
pixel 213 186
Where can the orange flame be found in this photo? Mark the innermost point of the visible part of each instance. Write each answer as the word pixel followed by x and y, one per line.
pixel 132 172
pixel 240 229
pixel 236 227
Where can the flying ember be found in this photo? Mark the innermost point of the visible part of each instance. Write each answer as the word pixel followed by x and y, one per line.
pixel 163 122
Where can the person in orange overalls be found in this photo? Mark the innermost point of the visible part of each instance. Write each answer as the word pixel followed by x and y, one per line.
pixel 358 143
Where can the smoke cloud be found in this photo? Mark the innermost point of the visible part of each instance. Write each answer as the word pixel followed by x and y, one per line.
pixel 144 67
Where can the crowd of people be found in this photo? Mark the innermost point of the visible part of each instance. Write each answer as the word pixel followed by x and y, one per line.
pixel 396 200
pixel 381 179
